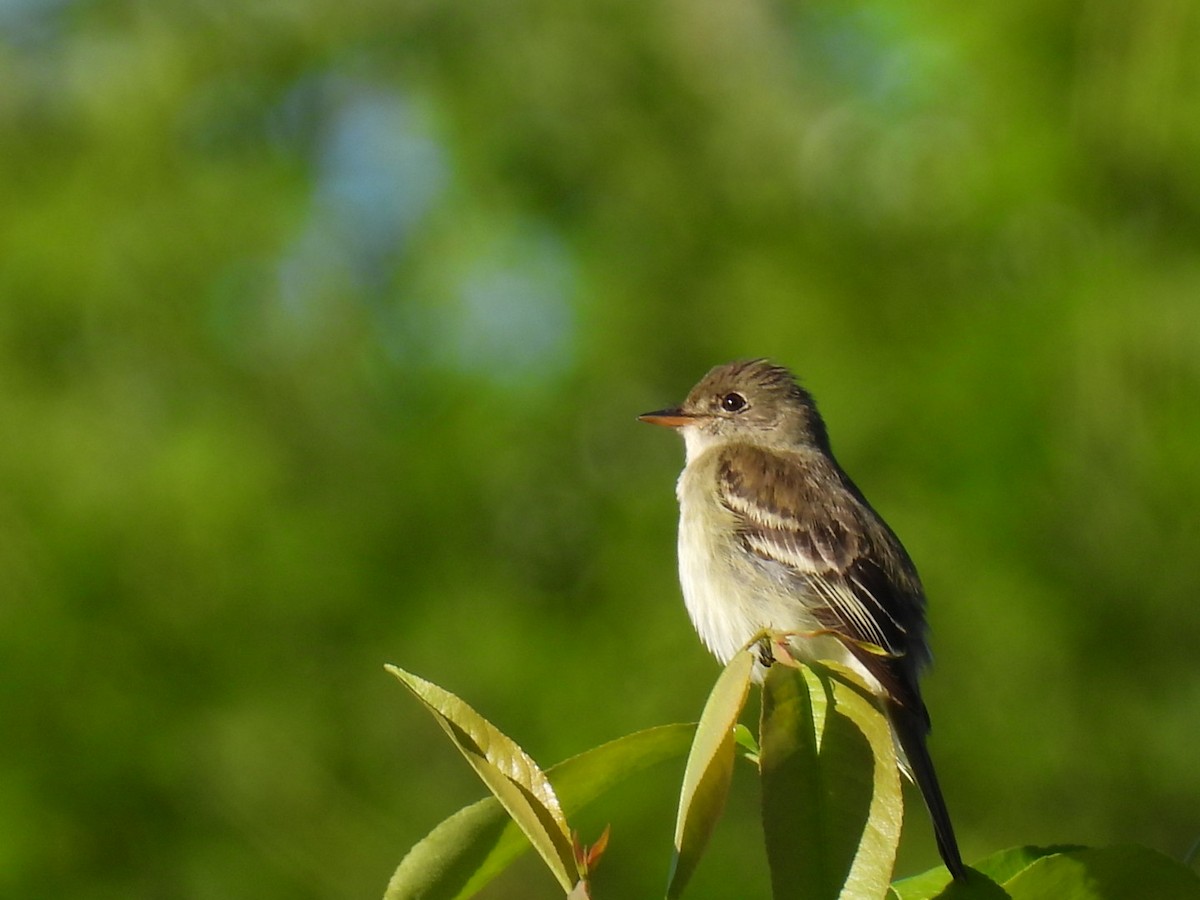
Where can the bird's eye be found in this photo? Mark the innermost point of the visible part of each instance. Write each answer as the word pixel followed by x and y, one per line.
pixel 733 402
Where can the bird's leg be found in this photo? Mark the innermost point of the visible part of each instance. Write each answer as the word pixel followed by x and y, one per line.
pixel 770 647
pixel 773 648
pixel 766 656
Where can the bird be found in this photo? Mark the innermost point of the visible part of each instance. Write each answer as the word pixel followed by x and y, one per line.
pixel 775 538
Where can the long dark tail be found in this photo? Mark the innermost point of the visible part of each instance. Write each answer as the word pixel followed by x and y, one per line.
pixel 910 732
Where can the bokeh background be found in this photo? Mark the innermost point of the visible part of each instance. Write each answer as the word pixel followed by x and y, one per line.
pixel 323 327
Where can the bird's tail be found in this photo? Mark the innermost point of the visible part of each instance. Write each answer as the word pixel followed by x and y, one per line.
pixel 910 733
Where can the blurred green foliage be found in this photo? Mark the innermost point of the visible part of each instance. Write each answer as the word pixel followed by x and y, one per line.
pixel 322 331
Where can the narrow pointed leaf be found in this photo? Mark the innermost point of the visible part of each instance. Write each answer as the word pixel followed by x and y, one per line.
pixel 1105 873
pixel 466 851
pixel 832 806
pixel 509 773
pixel 709 770
pixel 589 857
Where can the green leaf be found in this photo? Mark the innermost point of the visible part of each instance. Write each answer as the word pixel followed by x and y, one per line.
pixel 709 770
pixel 1064 872
pixel 920 887
pixel 1108 873
pixel 832 806
pixel 746 742
pixel 446 860
pixel 1004 864
pixel 992 871
pixel 975 887
pixel 465 852
pixel 510 774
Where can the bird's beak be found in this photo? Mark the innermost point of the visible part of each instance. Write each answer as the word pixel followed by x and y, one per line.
pixel 668 418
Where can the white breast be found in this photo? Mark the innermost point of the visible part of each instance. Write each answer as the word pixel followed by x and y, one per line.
pixel 729 595
pixel 721 609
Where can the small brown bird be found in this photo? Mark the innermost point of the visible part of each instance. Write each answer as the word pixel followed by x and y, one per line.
pixel 774 536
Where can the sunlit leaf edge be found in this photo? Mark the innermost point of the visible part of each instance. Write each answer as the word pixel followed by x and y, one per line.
pixel 709 770
pixel 578 780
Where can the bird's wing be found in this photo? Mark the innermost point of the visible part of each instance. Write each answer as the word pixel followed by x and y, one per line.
pixel 804 519
pixel 797 513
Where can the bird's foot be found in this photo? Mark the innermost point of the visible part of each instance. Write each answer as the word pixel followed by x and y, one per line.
pixel 766 654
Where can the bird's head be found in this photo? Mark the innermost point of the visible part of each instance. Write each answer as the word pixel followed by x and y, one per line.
pixel 754 402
